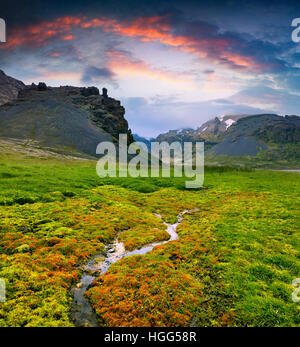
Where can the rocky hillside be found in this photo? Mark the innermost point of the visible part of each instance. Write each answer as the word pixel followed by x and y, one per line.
pixel 67 118
pixel 181 135
pixel 208 132
pixel 259 140
pixel 213 128
pixel 250 135
pixel 9 88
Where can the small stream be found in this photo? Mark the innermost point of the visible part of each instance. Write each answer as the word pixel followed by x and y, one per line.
pixel 82 313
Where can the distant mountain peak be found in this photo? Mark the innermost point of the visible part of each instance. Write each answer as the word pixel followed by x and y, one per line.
pixel 218 125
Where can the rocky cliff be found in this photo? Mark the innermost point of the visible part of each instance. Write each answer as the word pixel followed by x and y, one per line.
pixel 68 118
pixel 9 88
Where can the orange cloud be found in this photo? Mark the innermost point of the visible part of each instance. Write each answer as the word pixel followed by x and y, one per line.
pixel 155 29
pixel 54 54
pixel 121 65
pixel 67 37
pixel 146 29
pixel 243 61
pixel 61 76
pixel 45 75
pixel 39 34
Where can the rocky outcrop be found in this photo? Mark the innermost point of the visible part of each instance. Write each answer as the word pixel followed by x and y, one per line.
pixel 212 129
pixel 73 118
pixel 252 134
pixel 9 88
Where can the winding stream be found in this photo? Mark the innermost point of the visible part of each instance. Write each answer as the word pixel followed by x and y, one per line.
pixel 82 313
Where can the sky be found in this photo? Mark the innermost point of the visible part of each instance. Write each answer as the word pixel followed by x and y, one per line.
pixel 173 64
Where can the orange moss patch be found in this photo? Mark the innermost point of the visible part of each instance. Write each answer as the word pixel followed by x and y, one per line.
pixel 140 291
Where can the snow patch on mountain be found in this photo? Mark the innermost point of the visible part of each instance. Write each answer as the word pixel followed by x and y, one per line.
pixel 229 122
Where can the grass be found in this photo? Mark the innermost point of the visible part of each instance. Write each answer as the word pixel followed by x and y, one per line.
pixel 233 264
pixel 283 156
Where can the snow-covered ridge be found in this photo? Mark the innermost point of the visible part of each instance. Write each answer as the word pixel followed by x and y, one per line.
pixel 229 122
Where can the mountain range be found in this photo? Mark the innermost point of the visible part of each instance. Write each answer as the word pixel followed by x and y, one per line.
pixel 73 120
pixel 258 140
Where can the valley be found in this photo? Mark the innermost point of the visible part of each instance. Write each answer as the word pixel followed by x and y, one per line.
pixel 80 250
pixel 236 257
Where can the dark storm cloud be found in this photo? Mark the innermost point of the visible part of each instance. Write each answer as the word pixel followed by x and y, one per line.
pixel 249 39
pixel 94 74
pixel 239 51
pixel 19 12
pixel 203 37
pixel 23 12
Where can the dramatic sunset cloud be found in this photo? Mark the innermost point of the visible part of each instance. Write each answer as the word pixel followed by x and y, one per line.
pixel 208 43
pixel 172 63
